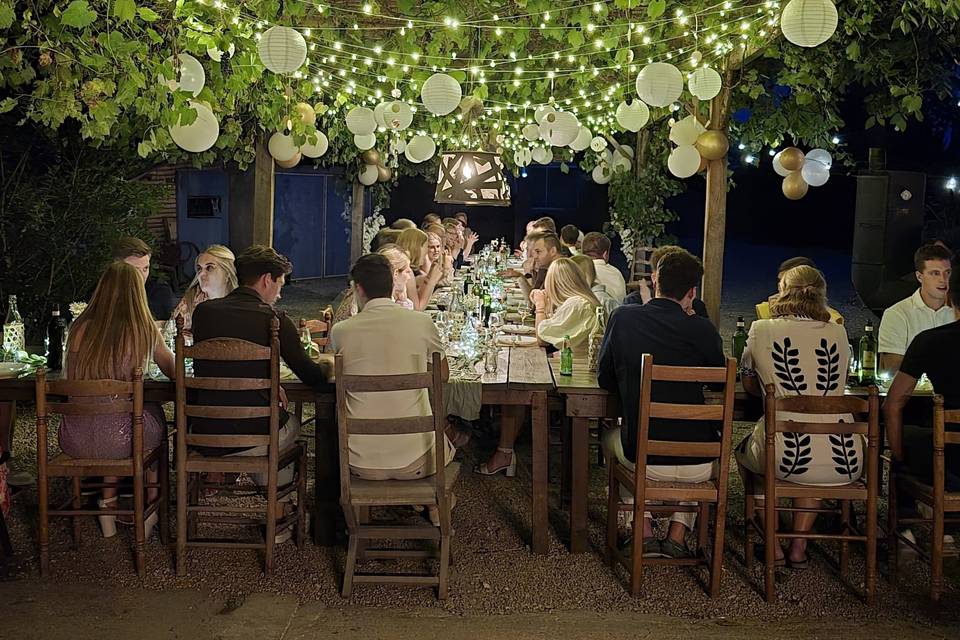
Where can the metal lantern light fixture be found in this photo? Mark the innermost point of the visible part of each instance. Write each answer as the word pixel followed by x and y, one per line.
pixel 472 177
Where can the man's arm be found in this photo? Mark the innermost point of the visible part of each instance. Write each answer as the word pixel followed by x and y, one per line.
pixel 297 359
pixel 892 340
pixel 890 363
pixel 897 397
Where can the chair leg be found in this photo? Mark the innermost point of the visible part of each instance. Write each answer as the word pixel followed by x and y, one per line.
pixel 444 566
pixel 893 542
pixel 181 551
pixel 613 501
pixel 163 476
pixel 138 533
pixel 871 525
pixel 749 513
pixel 844 545
pixel 719 529
pixel 703 527
pixel 350 566
pixel 636 558
pixel 770 526
pixel 43 534
pixel 270 537
pixel 76 519
pixel 936 555
pixel 301 498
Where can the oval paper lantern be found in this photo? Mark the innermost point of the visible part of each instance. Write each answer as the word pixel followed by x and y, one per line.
pixel 582 141
pixel 397 115
pixel 365 142
pixel 542 112
pixel 779 167
pixel 808 23
pixel 601 173
pixel 560 128
pixel 684 161
pixel 822 156
pixel 360 121
pixel 441 94
pixel 199 135
pixel 659 84
pixel 282 147
pixel 542 155
pixel 815 173
pixel 368 175
pixel 598 143
pixel 190 75
pixel 704 83
pixel 291 163
pixel 633 115
pixel 712 145
pixel 531 132
pixel 794 186
pixel 686 131
pixel 520 158
pixel 282 49
pixel 791 159
pixel 318 148
pixel 305 112
pixel 420 149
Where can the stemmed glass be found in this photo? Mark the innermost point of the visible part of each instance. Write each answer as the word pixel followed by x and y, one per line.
pixel 523 308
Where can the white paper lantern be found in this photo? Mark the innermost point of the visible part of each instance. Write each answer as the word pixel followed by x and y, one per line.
pixel 441 94
pixel 704 83
pixel 601 173
pixel 560 128
pixel 316 149
pixel 814 173
pixel 808 23
pixel 626 150
pixel 216 54
pixel 292 162
pixel 520 158
pixel 621 163
pixel 527 156
pixel 542 112
pixel 632 116
pixel 361 121
pixel 397 115
pixel 783 173
pixel 531 132
pixel 686 131
pixel 684 161
pixel 365 142
pixel 582 141
pixel 378 114
pixel 368 175
pixel 542 155
pixel 420 149
pixel 190 75
pixel 398 145
pixel 822 156
pixel 282 49
pixel 659 84
pixel 282 147
pixel 598 143
pixel 199 135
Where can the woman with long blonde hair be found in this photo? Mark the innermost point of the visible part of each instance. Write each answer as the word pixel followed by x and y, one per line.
pixel 114 336
pixel 404 287
pixel 216 277
pixel 427 273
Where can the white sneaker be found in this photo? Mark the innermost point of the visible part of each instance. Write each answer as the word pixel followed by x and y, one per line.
pixel 903 546
pixel 925 511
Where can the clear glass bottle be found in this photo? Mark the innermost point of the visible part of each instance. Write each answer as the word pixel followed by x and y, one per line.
pixel 13 331
pixel 867 356
pixel 596 339
pixel 566 358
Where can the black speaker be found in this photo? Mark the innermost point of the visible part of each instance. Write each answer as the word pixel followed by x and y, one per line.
pixel 888 229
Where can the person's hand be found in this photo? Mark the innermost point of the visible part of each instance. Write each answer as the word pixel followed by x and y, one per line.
pixel 283 398
pixel 645 291
pixel 511 273
pixel 472 238
pixel 435 273
pixel 529 265
pixel 539 299
pixel 518 253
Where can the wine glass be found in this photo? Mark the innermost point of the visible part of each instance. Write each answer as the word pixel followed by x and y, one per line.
pixel 523 308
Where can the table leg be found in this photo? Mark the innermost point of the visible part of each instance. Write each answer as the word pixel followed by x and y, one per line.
pixel 580 474
pixel 327 514
pixel 565 463
pixel 540 426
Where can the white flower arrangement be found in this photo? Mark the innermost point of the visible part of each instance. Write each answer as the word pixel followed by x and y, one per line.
pixel 76 308
pixel 371 226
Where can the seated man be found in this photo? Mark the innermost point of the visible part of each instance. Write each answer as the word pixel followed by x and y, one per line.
pixel 926 309
pixel 402 223
pixel 763 309
pixel 597 246
pixel 137 253
pixel 570 238
pixel 642 294
pixel 662 328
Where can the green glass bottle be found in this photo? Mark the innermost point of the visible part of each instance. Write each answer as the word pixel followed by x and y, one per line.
pixel 566 358
pixel 867 357
pixel 739 340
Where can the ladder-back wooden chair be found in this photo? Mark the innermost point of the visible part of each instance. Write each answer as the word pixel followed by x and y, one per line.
pixel 357 495
pixel 945 505
pixel 191 464
pixel 704 494
pixel 98 398
pixel 866 489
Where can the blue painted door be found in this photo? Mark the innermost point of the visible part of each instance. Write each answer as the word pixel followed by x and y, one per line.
pixel 203 205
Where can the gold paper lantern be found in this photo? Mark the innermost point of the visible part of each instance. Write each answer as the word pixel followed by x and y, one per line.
pixel 472 177
pixel 370 156
pixel 791 159
pixel 384 173
pixel 794 186
pixel 291 163
pixel 713 145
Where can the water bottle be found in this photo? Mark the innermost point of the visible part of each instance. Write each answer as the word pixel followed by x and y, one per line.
pixel 566 358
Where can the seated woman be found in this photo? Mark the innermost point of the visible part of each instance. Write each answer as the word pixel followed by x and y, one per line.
pixel 404 289
pixel 589 271
pixel 436 255
pixel 216 277
pixel 426 274
pixel 112 337
pixel 574 313
pixel 800 323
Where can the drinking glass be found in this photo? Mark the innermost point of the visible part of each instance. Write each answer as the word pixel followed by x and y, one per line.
pixel 523 308
pixel 491 359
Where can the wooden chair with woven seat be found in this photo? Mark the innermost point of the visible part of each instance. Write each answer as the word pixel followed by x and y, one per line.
pixel 865 490
pixel 704 494
pixel 358 495
pixel 98 398
pixel 320 336
pixel 190 463
pixel 945 505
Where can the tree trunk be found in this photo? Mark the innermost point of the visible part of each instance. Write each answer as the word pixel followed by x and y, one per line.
pixel 356 221
pixel 263 175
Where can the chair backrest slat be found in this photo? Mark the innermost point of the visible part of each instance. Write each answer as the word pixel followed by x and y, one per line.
pixel 227 384
pixel 396 382
pixel 823 404
pixel 683 449
pixel 389 426
pixel 709 412
pixel 87 388
pixel 226 412
pixel 215 441
pixel 790 426
pixel 704 375
pixel 227 350
pixel 90 408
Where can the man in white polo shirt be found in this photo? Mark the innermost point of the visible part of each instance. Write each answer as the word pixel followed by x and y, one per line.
pixel 597 246
pixel 926 309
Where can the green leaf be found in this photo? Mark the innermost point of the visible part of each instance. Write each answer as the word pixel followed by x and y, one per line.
pixel 147 14
pixel 656 8
pixel 853 50
pixel 144 148
pixel 7 104
pixel 912 103
pixel 124 10
pixel 78 15
pixel 7 15
pixel 871 121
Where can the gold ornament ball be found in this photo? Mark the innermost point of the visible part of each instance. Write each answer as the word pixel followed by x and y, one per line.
pixel 305 112
pixel 291 163
pixel 713 145
pixel 794 186
pixel 384 173
pixel 791 159
pixel 370 156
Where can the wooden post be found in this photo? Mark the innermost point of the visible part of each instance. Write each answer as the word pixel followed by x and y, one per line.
pixel 356 222
pixel 263 182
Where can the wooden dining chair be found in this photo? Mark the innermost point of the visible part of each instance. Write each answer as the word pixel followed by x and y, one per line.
pixel 320 336
pixel 771 489
pixel 945 505
pixel 357 495
pixel 703 494
pixel 97 398
pixel 190 463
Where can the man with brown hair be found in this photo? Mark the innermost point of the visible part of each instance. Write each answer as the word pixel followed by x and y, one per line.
pixel 136 253
pixel 597 246
pixel 542 250
pixel 570 238
pixel 545 223
pixel 644 293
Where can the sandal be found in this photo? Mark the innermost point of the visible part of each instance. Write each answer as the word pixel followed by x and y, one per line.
pixel 509 469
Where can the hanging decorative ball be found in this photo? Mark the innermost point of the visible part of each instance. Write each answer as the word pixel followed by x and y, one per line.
pixel 621 163
pixel 316 149
pixel 397 115
pixel 215 54
pixel 696 58
pixel 199 135
pixel 601 173
pixel 713 145
pixel 384 173
pixel 659 84
pixel 794 186
pixel 541 112
pixel 809 23
pixel 282 49
pixel 527 156
pixel 778 167
pixel 441 94
pixel 360 121
pixel 704 83
pixel 531 132
pixel 282 147
pixel 520 158
pixel 686 131
pixel 291 163
pixel 560 128
pixel 190 75
pixel 632 115
pixel 822 156
pixel 598 143
pixel 368 175
pixel 684 161
pixel 370 156
pixel 378 114
pixel 305 112
pixel 791 159
pixel 365 142
pixel 626 151
pixel 420 149
pixel 815 173
pixel 542 155
pixel 582 141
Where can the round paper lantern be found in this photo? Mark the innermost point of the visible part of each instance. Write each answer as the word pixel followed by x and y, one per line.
pixel 686 131
pixel 621 163
pixel 794 186
pixel 542 155
pixel 791 159
pixel 216 54
pixel 520 158
pixel 659 84
pixel 190 75
pixel 305 112
pixel 398 145
pixel 779 167
pixel 542 111
pixel 601 173
pixel 815 173
pixel 384 173
pixel 378 114
pixel 318 148
pixel 822 156
pixel 632 116
pixel 365 142
pixel 531 132
pixel 441 94
pixel 713 145
pixel 560 128
pixel 370 156
pixel 368 175
pixel 808 23
pixel 397 115
pixel 598 143
pixel 360 121
pixel 199 135
pixel 626 151
pixel 527 156
pixel 291 163
pixel 282 147
pixel 696 58
pixel 684 161
pixel 420 149
pixel 704 83
pixel 282 49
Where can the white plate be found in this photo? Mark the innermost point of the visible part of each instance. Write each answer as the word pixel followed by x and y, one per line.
pixel 517 341
pixel 12 369
pixel 518 329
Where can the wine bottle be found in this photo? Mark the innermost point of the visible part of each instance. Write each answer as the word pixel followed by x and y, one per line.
pixel 867 356
pixel 566 358
pixel 56 332
pixel 739 340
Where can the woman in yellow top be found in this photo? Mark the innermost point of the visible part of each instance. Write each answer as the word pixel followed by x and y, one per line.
pixel 763 309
